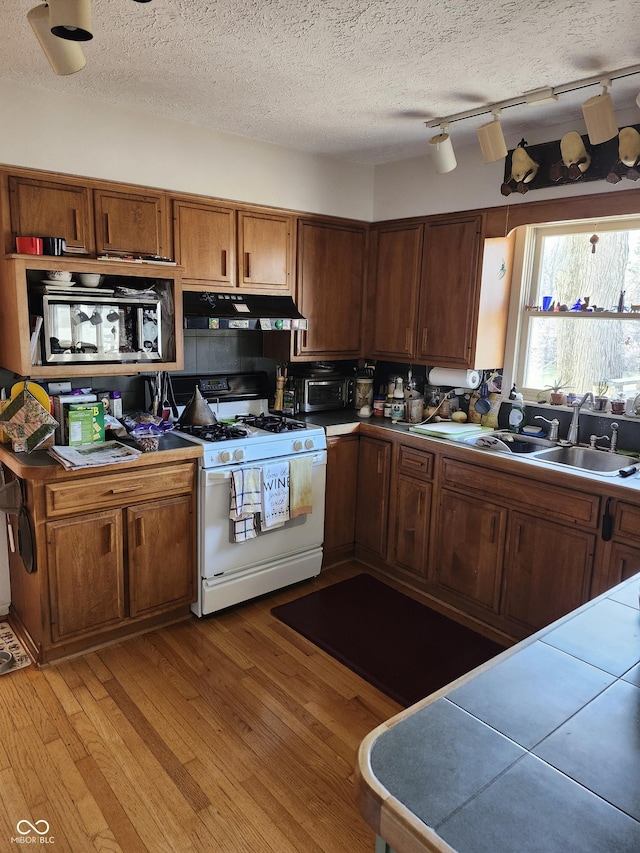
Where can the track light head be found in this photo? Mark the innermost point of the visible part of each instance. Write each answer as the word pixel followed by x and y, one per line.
pixel 71 19
pixel 441 148
pixel 491 140
pixel 65 57
pixel 599 116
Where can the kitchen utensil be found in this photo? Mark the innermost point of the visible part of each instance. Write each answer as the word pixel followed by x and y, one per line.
pixel 89 279
pixel 483 404
pixel 197 412
pixel 414 409
pixel 58 275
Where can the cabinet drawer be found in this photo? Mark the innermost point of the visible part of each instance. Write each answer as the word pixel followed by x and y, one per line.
pixel 627 524
pixel 118 489
pixel 415 463
pixel 550 501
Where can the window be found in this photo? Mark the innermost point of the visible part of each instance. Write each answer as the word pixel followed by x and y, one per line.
pixel 579 315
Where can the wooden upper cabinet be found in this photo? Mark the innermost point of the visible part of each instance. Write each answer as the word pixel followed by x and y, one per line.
pixel 46 208
pixel 449 297
pixel 204 238
pixel 130 223
pixel 264 251
pixel 330 284
pixel 396 252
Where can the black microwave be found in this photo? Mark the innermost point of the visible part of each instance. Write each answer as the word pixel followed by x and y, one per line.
pixel 78 328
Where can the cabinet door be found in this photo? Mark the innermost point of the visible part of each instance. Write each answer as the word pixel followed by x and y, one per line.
pixel 340 496
pixel 86 573
pixel 160 538
pixel 449 295
pixel 411 525
pixel 264 250
pixel 395 282
pixel 372 505
pixel 547 570
pixel 49 209
pixel 128 222
pixel 330 289
pixel 204 237
pixel 469 548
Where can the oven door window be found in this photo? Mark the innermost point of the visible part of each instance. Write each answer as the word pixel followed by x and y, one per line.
pixel 326 393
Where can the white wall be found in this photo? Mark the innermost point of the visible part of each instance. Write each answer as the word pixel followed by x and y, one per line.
pixel 412 187
pixel 76 136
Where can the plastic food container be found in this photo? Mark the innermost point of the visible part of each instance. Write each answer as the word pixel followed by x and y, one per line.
pixel 146 439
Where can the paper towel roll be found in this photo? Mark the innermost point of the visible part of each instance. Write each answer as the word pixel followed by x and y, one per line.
pixel 454 378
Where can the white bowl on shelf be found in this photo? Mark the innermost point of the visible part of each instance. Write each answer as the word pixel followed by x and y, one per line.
pixel 58 275
pixel 89 279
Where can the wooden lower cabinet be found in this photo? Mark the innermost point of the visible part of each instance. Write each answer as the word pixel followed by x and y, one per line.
pixel 411 524
pixel 547 570
pixel 341 495
pixel 114 555
pixel 372 504
pixel 86 573
pixel 470 545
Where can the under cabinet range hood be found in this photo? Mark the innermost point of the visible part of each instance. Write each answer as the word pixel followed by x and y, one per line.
pixel 207 310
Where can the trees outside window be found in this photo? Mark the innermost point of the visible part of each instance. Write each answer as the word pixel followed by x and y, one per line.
pixel 591 328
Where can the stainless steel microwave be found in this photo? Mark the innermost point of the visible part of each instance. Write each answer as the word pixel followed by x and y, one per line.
pixel 79 328
pixel 319 394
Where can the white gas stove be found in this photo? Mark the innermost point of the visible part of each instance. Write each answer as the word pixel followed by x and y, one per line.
pixel 244 435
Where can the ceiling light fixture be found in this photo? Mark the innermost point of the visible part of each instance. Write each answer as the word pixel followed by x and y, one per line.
pixel 441 148
pixel 491 139
pixel 65 57
pixel 71 19
pixel 599 116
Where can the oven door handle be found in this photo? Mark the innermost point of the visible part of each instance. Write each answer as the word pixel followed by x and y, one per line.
pixel 219 475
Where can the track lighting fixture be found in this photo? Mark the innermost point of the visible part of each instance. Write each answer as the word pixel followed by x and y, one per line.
pixel 71 19
pixel 65 57
pixel 441 148
pixel 599 116
pixel 491 139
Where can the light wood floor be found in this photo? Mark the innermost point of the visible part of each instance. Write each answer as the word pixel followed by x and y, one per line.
pixel 230 733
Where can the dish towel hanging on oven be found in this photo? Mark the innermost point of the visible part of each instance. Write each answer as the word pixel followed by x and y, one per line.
pixel 246 501
pixel 275 494
pixel 300 491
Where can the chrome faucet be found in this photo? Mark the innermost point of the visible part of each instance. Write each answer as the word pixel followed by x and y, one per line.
pixel 572 435
pixel 612 439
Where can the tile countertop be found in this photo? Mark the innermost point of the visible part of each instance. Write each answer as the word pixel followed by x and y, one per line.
pixel 536 750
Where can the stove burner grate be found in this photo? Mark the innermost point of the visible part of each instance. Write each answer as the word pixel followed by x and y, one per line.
pixel 214 432
pixel 273 423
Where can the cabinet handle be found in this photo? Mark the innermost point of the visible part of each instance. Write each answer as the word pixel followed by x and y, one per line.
pixel 76 229
pixel 247 265
pixel 223 263
pixel 123 490
pixel 380 465
pixel 407 339
pixel 140 531
pixel 519 539
pixel 425 334
pixel 607 522
pixel 107 230
pixel 111 538
pixel 419 512
pixel 492 530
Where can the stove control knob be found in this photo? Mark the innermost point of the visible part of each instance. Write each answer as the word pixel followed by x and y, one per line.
pixel 309 444
pixel 238 455
pixel 297 445
pixel 225 456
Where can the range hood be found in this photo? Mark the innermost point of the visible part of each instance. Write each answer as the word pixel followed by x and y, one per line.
pixel 207 310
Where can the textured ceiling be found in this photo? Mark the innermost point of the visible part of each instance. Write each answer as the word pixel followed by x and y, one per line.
pixel 354 79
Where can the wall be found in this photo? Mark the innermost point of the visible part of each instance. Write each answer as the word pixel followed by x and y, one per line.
pixel 60 133
pixel 412 187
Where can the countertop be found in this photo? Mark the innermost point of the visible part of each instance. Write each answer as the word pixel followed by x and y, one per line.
pixel 536 750
pixel 39 465
pixel 346 421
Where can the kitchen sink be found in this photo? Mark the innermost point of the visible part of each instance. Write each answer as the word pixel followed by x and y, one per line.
pixel 586 458
pixel 502 441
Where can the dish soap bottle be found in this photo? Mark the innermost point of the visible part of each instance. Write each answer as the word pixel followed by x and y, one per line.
pixel 517 413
